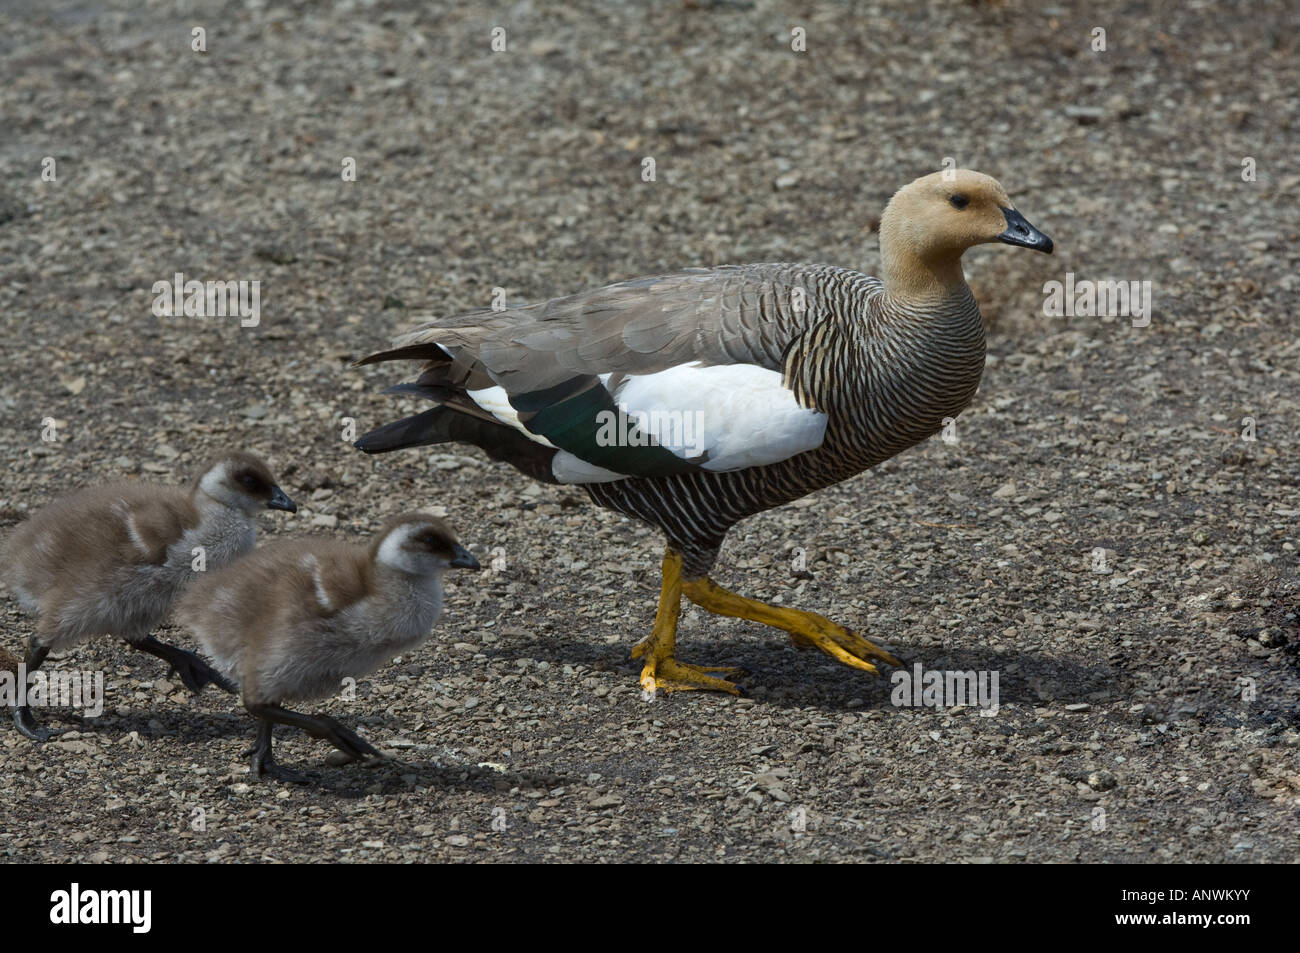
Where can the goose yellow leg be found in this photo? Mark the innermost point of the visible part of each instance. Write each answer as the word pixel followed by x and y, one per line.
pixel 807 629
pixel 662 670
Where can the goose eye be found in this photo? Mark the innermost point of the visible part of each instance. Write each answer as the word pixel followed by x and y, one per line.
pixel 959 201
pixel 249 481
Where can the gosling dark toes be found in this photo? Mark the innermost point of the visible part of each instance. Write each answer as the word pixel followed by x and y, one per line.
pixel 29 727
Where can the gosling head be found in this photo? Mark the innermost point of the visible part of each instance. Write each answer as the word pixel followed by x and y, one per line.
pixel 421 545
pixel 929 223
pixel 243 482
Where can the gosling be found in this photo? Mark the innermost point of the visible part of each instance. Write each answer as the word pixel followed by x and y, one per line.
pixel 112 560
pixel 292 620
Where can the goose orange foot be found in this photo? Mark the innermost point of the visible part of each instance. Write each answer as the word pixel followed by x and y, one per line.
pixel 662 671
pixel 670 675
pixel 806 629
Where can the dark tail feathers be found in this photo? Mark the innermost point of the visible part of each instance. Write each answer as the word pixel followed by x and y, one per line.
pixel 421 430
pixel 445 425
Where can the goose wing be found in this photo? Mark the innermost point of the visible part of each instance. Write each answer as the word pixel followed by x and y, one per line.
pixel 648 377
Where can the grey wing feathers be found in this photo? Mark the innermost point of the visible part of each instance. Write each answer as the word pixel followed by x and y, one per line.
pixel 740 314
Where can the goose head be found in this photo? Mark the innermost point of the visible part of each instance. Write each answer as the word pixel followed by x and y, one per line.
pixel 930 222
pixel 420 545
pixel 243 482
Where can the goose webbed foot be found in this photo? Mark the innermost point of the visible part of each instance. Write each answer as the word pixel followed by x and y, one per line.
pixel 806 629
pixel 669 675
pixel 193 672
pixel 264 765
pixel 29 727
pixel 350 742
pixel 318 726
pixel 662 671
pixel 24 720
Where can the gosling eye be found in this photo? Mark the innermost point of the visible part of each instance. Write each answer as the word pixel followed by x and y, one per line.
pixel 959 201
pixel 250 482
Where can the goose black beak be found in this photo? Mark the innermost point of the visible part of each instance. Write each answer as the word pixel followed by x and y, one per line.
pixel 280 501
pixel 462 558
pixel 1020 232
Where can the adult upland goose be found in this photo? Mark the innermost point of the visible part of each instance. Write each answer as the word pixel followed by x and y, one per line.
pixel 111 560
pixel 294 619
pixel 693 400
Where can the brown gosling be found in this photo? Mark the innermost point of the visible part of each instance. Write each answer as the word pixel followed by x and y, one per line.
pixel 112 560
pixel 292 620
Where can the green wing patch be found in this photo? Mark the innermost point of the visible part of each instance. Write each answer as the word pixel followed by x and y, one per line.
pixel 579 415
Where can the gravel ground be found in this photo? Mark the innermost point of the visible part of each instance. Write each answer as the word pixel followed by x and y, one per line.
pixel 1148 696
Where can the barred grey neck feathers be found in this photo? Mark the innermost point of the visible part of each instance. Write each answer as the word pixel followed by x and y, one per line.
pixel 886 373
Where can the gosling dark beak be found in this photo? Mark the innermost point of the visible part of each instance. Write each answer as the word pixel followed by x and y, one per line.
pixel 462 558
pixel 280 501
pixel 1020 232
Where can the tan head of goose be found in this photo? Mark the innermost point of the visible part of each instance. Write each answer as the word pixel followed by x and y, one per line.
pixel 930 223
pixel 695 399
pixel 111 560
pixel 295 618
